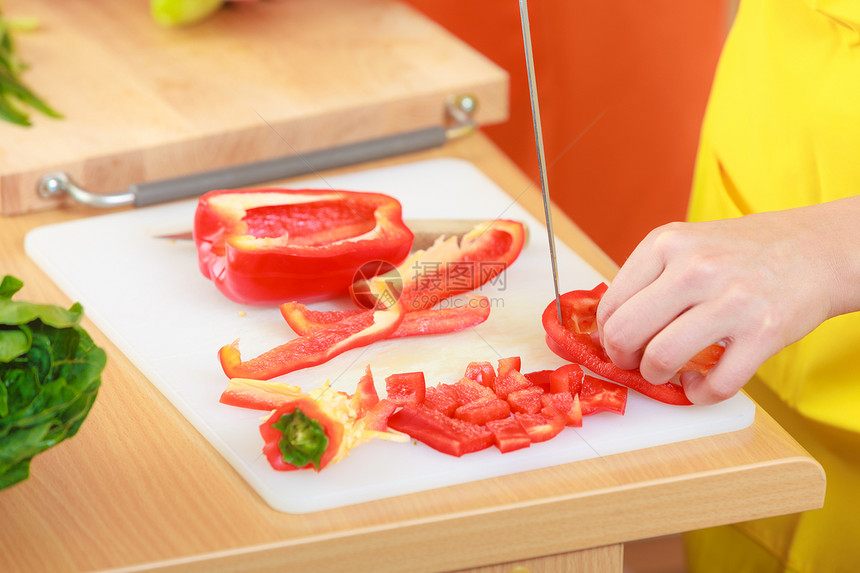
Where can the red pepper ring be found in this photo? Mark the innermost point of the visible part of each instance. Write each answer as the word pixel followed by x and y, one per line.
pixel 573 341
pixel 268 246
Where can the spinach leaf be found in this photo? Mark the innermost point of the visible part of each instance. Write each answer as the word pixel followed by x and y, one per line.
pixel 50 373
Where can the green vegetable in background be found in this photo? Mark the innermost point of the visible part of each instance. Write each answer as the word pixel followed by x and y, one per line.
pixel 50 373
pixel 13 93
pixel 182 12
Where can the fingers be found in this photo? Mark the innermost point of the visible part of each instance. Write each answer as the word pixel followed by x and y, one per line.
pixel 633 325
pixel 641 269
pixel 734 369
pixel 689 285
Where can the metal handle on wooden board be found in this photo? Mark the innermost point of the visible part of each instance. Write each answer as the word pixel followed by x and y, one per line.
pixel 460 109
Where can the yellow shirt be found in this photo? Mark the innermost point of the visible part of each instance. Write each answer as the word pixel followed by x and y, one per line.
pixel 782 129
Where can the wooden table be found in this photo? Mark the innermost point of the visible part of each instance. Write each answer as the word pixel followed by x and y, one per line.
pixel 139 488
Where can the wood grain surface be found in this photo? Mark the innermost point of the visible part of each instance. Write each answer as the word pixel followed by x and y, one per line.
pixel 256 81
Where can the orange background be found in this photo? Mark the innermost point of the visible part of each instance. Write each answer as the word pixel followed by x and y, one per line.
pixel 622 89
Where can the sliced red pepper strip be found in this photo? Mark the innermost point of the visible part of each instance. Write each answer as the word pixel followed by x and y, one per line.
pixel 574 341
pixel 268 246
pixel 312 349
pixel 471 312
pixel 258 395
pixel 300 430
pixel 376 418
pixel 365 396
pixel 453 266
pixel 444 434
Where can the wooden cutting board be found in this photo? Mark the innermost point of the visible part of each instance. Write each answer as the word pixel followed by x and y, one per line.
pixel 149 298
pixel 256 81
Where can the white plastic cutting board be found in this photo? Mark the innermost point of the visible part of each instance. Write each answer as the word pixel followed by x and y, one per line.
pixel 147 295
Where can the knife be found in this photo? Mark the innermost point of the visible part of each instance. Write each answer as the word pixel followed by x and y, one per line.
pixel 426 231
pixel 527 40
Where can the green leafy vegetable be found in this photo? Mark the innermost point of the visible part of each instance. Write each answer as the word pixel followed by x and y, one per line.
pixel 13 93
pixel 50 373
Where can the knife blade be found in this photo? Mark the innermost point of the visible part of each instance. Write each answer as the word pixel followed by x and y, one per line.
pixel 426 231
pixel 533 96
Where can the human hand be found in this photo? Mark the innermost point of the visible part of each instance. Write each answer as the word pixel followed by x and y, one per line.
pixel 755 284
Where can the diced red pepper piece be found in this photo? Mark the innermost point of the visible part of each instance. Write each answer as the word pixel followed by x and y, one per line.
pixel 509 380
pixel 509 434
pixel 268 246
pixel 300 430
pixel 312 349
pixel 527 400
pixel 574 340
pixel 447 435
pixel 482 372
pixel 539 378
pixel 567 405
pixel 365 396
pixel 469 390
pixel 406 388
pixel 567 378
pixel 443 398
pixel 510 363
pixel 542 426
pixel 471 313
pixel 599 395
pixel 483 410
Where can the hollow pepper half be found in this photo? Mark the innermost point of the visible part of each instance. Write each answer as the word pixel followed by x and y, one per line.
pixel 269 246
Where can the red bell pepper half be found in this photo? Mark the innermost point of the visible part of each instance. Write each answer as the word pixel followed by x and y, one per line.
pixel 268 246
pixel 312 349
pixel 575 340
